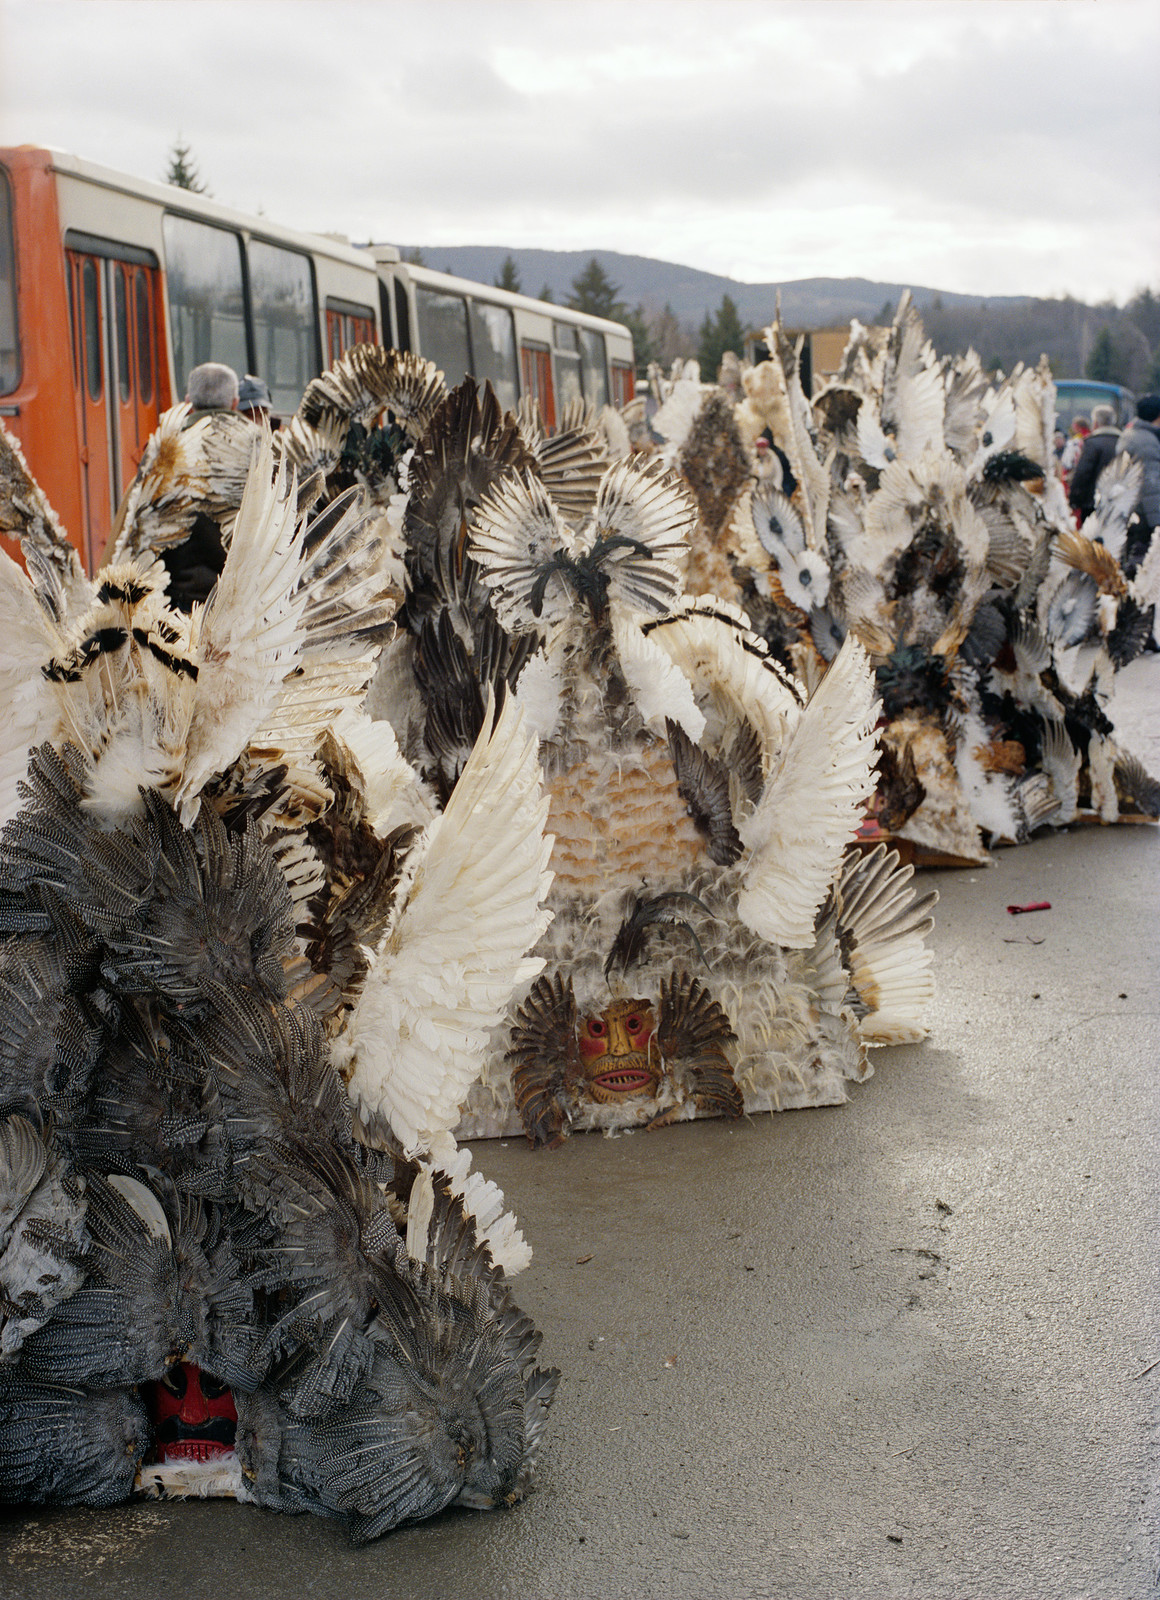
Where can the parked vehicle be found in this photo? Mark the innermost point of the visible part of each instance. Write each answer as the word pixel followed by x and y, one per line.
pixel 112 288
pixel 1075 397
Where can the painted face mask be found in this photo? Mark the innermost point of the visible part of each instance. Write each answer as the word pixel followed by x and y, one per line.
pixel 194 1415
pixel 616 1048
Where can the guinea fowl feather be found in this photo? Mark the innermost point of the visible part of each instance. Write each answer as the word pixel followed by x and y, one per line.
pixel 64 1445
pixel 197 1194
pixel 42 1232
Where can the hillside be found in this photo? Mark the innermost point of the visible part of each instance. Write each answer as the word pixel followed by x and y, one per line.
pixel 805 302
pixel 1123 342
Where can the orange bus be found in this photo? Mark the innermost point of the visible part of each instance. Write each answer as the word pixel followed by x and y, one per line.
pixel 112 288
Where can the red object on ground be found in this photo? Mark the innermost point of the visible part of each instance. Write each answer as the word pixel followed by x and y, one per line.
pixel 1036 905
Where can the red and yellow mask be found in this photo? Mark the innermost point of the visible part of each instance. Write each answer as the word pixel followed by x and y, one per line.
pixel 619 1052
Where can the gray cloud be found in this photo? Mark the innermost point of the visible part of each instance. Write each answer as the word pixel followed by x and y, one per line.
pixel 983 146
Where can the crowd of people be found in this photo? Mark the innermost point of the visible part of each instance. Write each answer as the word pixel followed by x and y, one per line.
pixel 1093 444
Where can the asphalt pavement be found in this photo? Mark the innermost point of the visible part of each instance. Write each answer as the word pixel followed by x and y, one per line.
pixel 908 1347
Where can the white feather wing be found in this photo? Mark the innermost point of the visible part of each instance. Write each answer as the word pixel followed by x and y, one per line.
pixel 28 641
pixel 676 416
pixel 811 803
pixel 446 972
pixel 657 685
pixel 249 635
pixel 711 643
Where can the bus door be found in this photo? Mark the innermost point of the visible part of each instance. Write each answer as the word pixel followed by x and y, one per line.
pixel 114 292
pixel 536 372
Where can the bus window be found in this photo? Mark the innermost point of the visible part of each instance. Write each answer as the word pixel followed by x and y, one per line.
pixel 91 298
pixel 443 332
pixel 207 304
pixel 121 331
pixel 285 321
pixel 144 338
pixel 9 345
pixel 593 369
pixel 536 369
pixel 623 386
pixel 493 341
pixel 568 385
pixel 347 324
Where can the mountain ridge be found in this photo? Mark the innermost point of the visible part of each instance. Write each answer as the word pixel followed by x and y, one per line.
pixel 692 293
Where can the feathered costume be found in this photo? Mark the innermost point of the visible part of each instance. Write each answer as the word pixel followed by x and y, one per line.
pixel 219 882
pixel 707 927
pixel 926 518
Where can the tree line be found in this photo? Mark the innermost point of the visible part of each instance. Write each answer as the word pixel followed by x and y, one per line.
pixel 1111 343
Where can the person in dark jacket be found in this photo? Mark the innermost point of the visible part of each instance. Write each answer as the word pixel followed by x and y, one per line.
pixel 1098 449
pixel 1141 440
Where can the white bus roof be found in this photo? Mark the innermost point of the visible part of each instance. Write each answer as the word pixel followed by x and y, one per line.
pixel 199 205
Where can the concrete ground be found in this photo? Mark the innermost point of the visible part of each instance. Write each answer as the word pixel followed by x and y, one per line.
pixel 905 1348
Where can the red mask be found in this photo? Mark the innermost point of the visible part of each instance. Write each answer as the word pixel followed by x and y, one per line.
pixel 194 1415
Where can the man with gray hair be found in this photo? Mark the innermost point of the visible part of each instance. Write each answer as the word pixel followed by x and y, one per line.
pixel 183 502
pixel 212 387
pixel 1141 440
pixel 1098 449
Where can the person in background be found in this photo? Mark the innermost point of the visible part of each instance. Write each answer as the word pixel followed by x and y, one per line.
pixel 1098 449
pixel 254 399
pixel 1080 429
pixel 1141 440
pixel 211 387
pixel 196 563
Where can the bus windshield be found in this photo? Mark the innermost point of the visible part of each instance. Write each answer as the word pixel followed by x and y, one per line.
pixel 9 345
pixel 1075 397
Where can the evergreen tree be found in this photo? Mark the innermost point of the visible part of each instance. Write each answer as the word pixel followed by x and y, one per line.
pixel 546 294
pixel 509 276
pixel 1104 363
pixel 642 343
pixel 724 332
pixel 182 171
pixel 414 257
pixel 1144 310
pixel 594 292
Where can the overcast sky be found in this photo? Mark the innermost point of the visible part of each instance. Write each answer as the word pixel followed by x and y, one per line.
pixel 987 146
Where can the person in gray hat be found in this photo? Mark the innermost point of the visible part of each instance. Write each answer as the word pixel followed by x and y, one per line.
pixel 254 398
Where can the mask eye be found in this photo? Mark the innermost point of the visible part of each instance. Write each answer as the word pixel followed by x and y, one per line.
pixel 212 1388
pixel 174 1380
pixel 633 1024
pixel 596 1028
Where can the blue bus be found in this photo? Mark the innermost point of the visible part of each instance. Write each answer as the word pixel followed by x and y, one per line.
pixel 1075 397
